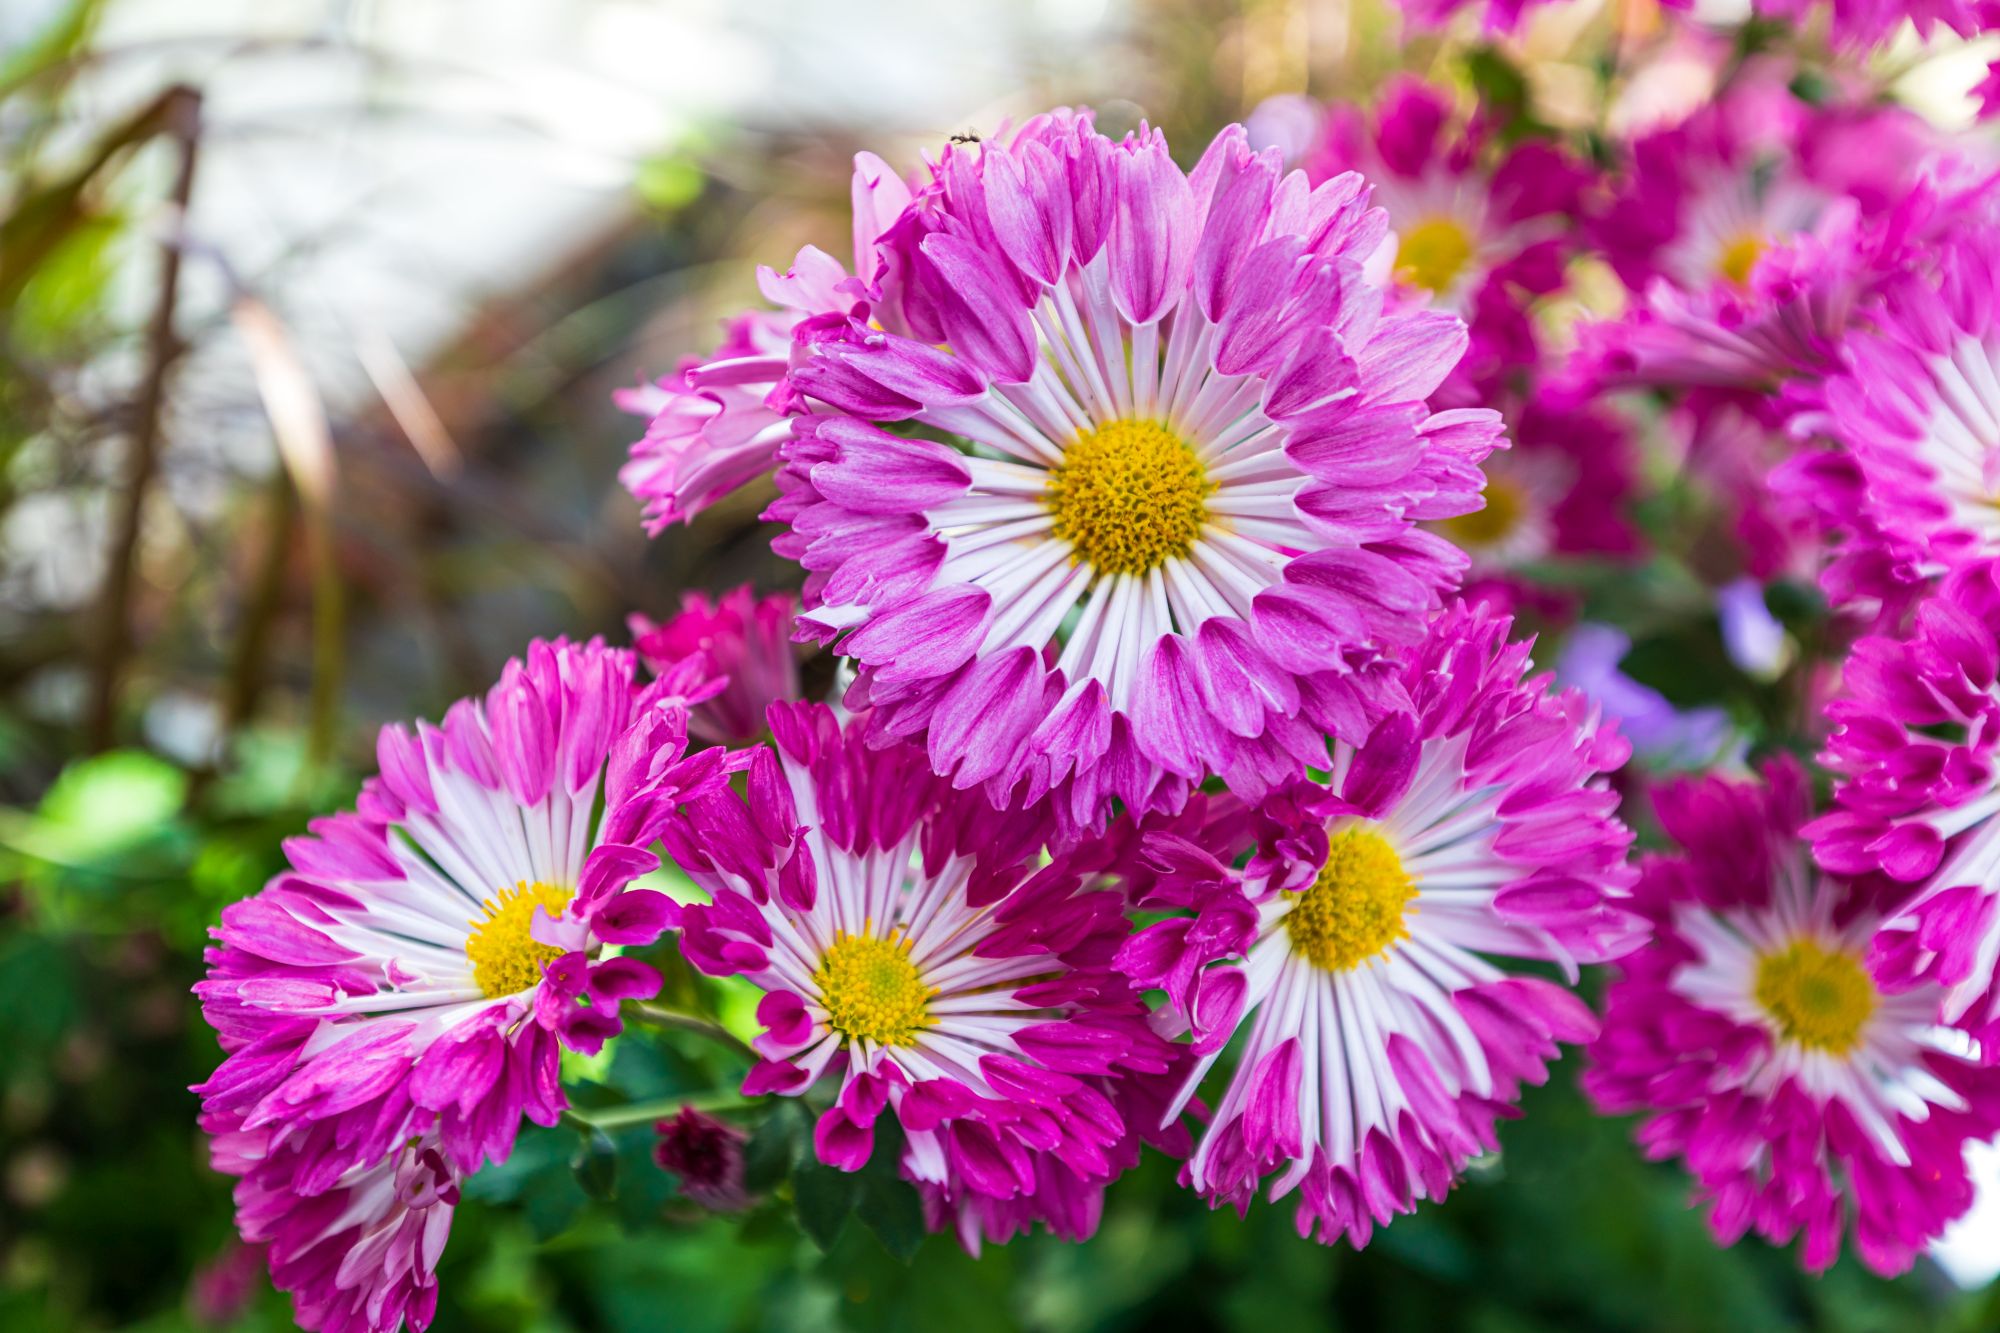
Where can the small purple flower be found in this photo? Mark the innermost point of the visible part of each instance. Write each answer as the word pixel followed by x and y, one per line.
pixel 1356 950
pixel 1799 1091
pixel 1662 735
pixel 717 424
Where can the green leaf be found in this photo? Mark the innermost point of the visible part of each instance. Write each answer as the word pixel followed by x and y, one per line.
pixel 595 1164
pixel 104 804
pixel 769 1154
pixel 889 1205
pixel 824 1196
pixel 890 1208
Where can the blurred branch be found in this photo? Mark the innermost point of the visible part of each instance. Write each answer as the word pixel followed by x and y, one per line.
pixel 246 667
pixel 177 113
pixel 305 446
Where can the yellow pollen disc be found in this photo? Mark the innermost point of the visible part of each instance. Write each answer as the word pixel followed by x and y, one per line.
pixel 1740 256
pixel 871 990
pixel 1505 504
pixel 1356 907
pixel 506 959
pixel 1433 253
pixel 1128 497
pixel 1819 998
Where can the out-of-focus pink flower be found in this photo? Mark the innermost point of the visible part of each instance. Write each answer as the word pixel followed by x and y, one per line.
pixel 1803 1096
pixel 739 641
pixel 224 1287
pixel 716 424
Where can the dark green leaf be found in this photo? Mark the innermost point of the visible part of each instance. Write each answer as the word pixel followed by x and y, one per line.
pixel 891 1209
pixel 595 1164
pixel 773 1145
pixel 824 1197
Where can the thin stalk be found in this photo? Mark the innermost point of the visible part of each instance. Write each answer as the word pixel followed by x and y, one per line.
pixel 114 645
pixel 660 1017
pixel 641 1113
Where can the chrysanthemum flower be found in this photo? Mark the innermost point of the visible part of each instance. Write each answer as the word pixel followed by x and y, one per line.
pixel 359 1255
pixel 1919 408
pixel 916 957
pixel 1801 1095
pixel 1560 490
pixel 741 642
pixel 717 423
pixel 1750 234
pixel 1149 511
pixel 1357 949
pixel 1914 744
pixel 428 955
pixel 1467 212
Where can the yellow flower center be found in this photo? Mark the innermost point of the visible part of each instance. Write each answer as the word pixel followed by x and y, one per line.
pixel 1492 524
pixel 871 990
pixel 1819 998
pixel 1356 907
pixel 1129 496
pixel 506 958
pixel 1740 256
pixel 1433 253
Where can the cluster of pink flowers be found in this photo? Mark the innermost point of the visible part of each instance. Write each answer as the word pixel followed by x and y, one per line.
pixel 1186 783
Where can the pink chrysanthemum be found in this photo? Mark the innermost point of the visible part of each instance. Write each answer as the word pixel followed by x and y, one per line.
pixel 1357 948
pixel 718 422
pixel 1151 512
pixel 420 967
pixel 916 957
pixel 1800 1095
pixel 1914 745
pixel 1468 213
pixel 359 1255
pixel 1751 234
pixel 1560 490
pixel 739 640
pixel 1919 409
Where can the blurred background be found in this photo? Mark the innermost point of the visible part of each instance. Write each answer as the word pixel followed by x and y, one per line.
pixel 311 312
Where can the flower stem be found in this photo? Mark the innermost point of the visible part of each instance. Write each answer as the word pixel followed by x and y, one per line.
pixel 661 1017
pixel 640 1113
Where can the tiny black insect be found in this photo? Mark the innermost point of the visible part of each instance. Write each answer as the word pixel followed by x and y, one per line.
pixel 965 136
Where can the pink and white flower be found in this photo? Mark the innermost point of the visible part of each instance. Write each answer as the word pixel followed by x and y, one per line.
pixel 919 957
pixel 1802 1095
pixel 1918 407
pixel 1149 510
pixel 1914 744
pixel 1356 950
pixel 359 1255
pixel 739 641
pixel 1752 235
pixel 1470 216
pixel 418 971
pixel 718 422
